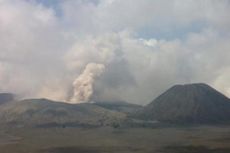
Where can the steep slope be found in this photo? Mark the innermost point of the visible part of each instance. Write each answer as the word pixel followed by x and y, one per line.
pixel 43 112
pixel 6 97
pixel 192 103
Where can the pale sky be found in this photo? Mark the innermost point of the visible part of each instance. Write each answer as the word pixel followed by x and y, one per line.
pixel 144 47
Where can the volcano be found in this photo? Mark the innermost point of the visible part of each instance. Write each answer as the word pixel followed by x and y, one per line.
pixel 189 103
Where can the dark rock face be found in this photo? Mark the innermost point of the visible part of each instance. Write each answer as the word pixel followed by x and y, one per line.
pixel 192 103
pixel 6 97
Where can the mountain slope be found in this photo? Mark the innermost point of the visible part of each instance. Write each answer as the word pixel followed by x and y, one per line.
pixel 192 103
pixel 43 112
pixel 119 106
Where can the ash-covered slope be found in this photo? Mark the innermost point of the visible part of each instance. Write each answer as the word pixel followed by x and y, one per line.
pixel 119 106
pixel 45 113
pixel 192 103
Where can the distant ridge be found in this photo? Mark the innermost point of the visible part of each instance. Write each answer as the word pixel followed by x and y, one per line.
pixel 189 103
pixel 6 97
pixel 119 106
pixel 47 113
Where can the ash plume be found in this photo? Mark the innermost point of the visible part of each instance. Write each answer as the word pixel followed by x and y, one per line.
pixel 84 83
pixel 43 48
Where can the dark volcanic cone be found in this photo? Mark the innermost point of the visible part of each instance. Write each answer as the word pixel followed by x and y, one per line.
pixel 192 103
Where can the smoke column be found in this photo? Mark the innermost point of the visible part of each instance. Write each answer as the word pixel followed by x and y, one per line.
pixel 84 83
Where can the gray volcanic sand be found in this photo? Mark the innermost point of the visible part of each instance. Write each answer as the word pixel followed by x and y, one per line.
pixel 202 139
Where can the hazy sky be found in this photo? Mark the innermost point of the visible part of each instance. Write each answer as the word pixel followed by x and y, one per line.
pixel 130 50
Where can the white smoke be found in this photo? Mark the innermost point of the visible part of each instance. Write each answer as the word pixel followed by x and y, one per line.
pixel 84 83
pixel 43 49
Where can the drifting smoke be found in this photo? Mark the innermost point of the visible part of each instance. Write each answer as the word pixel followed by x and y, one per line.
pixel 155 45
pixel 84 84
